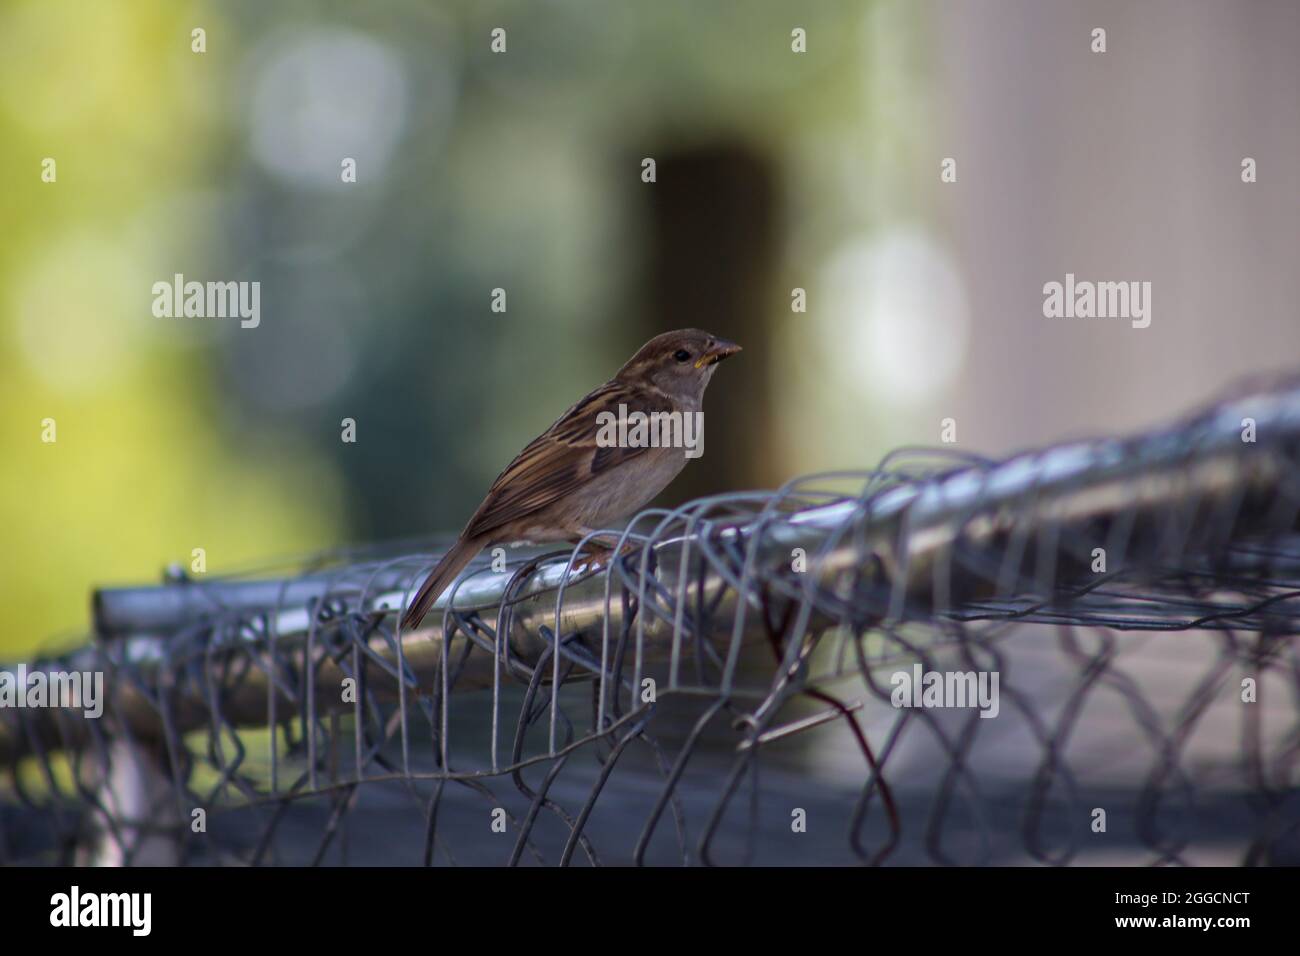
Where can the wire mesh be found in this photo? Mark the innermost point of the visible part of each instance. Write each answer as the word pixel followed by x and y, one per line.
pixel 742 684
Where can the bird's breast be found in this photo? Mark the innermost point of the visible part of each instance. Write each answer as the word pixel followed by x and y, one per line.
pixel 624 490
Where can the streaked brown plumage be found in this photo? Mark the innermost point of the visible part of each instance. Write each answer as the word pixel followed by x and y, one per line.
pixel 564 485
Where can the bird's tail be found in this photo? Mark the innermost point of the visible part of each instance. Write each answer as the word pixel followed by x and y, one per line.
pixel 443 573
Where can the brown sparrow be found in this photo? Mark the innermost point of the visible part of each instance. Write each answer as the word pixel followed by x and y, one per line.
pixel 585 471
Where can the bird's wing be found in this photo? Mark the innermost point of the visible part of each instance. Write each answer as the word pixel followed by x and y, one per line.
pixel 561 460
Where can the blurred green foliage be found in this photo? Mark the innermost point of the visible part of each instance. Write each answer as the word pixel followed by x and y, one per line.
pixel 139 474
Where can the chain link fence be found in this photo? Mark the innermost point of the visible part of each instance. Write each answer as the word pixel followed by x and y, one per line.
pixel 1084 654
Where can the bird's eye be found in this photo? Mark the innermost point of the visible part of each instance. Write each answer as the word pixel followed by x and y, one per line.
pixel 682 355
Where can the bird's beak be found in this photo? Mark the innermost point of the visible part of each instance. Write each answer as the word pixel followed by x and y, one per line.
pixel 717 352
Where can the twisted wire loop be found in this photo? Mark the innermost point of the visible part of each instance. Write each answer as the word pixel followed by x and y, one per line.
pixel 736 686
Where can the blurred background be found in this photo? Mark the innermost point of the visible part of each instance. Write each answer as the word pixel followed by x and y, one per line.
pixel 775 171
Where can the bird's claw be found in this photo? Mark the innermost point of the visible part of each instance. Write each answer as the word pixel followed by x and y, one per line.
pixel 598 557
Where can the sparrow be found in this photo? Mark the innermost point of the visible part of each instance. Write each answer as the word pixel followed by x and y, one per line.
pixel 571 479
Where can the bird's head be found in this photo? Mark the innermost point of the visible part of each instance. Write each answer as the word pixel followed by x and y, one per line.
pixel 679 363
